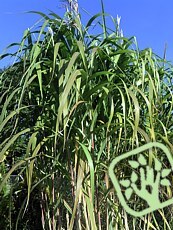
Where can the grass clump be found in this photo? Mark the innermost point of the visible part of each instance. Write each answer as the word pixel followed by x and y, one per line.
pixel 70 104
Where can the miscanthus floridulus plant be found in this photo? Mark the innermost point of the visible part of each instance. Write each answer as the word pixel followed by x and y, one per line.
pixel 70 104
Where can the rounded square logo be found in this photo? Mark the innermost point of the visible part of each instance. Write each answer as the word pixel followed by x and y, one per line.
pixel 144 178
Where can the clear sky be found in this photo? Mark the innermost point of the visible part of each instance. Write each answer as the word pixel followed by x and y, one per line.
pixel 149 20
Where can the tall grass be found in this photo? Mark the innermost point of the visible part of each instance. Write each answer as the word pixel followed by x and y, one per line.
pixel 71 103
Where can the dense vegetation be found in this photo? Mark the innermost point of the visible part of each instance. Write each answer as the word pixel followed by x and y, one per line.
pixel 70 104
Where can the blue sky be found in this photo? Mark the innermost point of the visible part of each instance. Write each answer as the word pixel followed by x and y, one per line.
pixel 150 20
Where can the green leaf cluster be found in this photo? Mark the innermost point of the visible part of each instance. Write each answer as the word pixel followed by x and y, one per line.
pixel 71 103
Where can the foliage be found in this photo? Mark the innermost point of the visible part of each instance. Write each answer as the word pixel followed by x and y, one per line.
pixel 70 104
